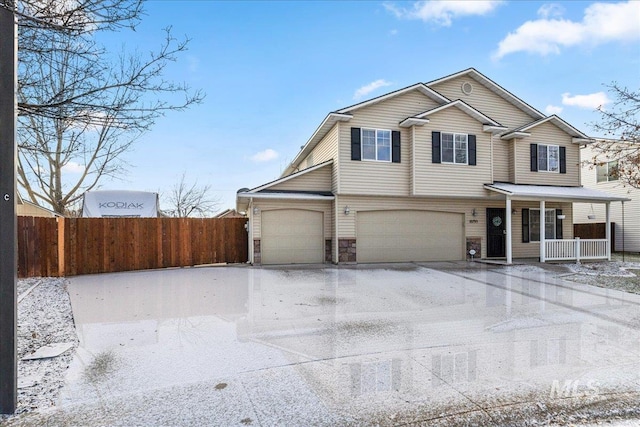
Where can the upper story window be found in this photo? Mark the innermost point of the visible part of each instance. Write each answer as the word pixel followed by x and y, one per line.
pixel 548 158
pixel 607 171
pixel 454 148
pixel 376 145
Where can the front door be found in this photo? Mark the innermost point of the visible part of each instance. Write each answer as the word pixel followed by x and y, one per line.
pixel 496 233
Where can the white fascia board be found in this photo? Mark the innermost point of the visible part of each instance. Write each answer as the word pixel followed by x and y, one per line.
pixel 570 195
pixel 582 140
pixel 494 129
pixel 512 135
pixel 469 110
pixel 559 122
pixel 494 87
pixel 413 121
pixel 288 177
pixel 284 196
pixel 424 89
pixel 321 131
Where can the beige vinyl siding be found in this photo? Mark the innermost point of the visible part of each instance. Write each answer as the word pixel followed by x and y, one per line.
pixel 532 249
pixel 380 178
pixel 484 100
pixel 548 134
pixel 473 226
pixel 317 180
pixel 269 205
pixel 445 179
pixel 631 209
pixel 327 149
pixel 31 210
pixel 512 161
pixel 501 160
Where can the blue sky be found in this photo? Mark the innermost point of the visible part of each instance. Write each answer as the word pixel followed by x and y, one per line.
pixel 273 70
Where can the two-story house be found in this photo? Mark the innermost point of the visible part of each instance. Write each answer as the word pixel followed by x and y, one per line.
pixel 599 173
pixel 433 172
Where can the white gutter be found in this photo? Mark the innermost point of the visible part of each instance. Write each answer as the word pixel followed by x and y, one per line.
pixel 284 196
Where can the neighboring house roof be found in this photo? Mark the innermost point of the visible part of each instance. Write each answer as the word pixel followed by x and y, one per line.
pixel 287 178
pixel 523 131
pixel 229 213
pixel 494 87
pixel 422 118
pixel 32 209
pixel 555 193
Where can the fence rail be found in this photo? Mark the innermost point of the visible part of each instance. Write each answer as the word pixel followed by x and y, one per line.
pixel 72 246
pixel 575 249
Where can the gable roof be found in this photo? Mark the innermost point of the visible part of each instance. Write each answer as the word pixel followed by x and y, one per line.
pixel 286 178
pixel 421 87
pixel 326 125
pixel 421 119
pixel 494 87
pixel 523 131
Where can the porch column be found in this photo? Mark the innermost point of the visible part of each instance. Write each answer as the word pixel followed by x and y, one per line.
pixel 542 232
pixel 607 232
pixel 508 220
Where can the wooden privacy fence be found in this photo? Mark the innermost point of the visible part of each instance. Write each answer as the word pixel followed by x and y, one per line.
pixel 595 230
pixel 72 246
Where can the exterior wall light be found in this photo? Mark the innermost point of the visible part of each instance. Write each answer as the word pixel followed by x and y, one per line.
pixel 513 211
pixel 256 210
pixel 346 210
pixel 473 212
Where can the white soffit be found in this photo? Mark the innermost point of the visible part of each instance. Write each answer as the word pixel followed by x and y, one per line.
pixel 557 193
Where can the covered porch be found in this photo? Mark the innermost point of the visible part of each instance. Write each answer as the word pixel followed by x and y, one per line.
pixel 573 249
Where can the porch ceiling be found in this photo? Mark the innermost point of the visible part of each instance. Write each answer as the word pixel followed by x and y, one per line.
pixel 555 193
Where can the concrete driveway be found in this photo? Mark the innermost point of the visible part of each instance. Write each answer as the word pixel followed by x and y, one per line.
pixel 440 344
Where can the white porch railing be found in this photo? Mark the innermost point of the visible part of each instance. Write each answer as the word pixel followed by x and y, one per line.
pixel 575 249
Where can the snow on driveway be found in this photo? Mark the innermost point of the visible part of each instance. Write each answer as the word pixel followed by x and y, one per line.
pixel 384 345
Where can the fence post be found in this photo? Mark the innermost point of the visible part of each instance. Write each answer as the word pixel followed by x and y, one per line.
pixel 61 252
pixel 577 250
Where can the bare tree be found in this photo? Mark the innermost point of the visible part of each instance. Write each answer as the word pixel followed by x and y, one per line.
pixel 190 200
pixel 621 123
pixel 80 106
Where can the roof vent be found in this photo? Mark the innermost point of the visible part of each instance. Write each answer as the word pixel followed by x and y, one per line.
pixel 467 88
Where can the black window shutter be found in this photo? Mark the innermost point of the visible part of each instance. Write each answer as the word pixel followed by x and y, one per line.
pixel 534 157
pixel 395 146
pixel 525 225
pixel 472 149
pixel 435 147
pixel 355 144
pixel 558 224
pixel 563 159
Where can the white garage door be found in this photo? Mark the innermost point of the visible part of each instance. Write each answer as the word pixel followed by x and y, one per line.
pixel 292 236
pixel 404 236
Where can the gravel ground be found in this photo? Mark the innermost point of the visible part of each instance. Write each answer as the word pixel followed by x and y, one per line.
pixel 44 317
pixel 623 276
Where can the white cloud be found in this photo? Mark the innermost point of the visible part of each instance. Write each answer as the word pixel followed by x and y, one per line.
pixel 393 32
pixel 553 109
pixel 550 10
pixel 265 156
pixel 591 101
pixel 367 89
pixel 442 12
pixel 73 167
pixel 602 23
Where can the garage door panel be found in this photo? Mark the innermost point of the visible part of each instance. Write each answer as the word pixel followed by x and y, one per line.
pixel 404 236
pixel 292 236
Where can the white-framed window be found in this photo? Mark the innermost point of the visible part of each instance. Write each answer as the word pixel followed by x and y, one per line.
pixel 548 158
pixel 607 172
pixel 549 224
pixel 376 145
pixel 455 148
